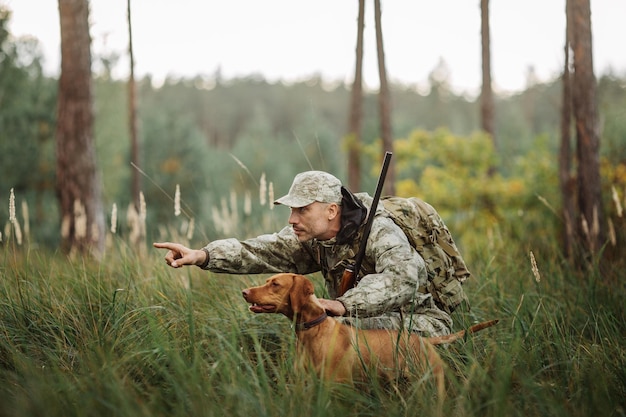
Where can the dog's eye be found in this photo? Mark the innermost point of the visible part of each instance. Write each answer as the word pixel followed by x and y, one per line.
pixel 275 284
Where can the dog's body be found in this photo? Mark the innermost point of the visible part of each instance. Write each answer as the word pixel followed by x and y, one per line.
pixel 342 353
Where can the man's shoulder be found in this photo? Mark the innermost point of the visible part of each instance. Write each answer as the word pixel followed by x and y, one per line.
pixel 367 201
pixel 365 198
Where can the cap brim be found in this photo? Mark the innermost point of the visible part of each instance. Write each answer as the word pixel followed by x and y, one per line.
pixel 291 201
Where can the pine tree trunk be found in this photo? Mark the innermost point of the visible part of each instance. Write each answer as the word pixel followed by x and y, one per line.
pixel 384 102
pixel 132 116
pixel 566 179
pixel 486 96
pixel 356 109
pixel 587 137
pixel 78 184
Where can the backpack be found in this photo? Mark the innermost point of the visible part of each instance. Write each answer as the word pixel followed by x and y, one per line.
pixel 428 234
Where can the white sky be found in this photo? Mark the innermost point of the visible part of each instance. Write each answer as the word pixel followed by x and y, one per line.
pixel 294 39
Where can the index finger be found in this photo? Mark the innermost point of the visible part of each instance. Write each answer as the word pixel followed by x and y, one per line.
pixel 165 245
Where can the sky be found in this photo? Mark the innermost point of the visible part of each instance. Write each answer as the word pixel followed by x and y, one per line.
pixel 292 40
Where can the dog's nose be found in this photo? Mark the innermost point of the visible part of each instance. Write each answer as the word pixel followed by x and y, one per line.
pixel 245 293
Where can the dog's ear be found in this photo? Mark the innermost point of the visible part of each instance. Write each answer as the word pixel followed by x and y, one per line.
pixel 300 292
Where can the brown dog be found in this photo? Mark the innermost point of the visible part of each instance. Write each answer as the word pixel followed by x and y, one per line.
pixel 343 353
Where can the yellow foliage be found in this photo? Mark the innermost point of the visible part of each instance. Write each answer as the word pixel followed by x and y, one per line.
pixel 483 202
pixel 407 188
pixel 615 174
pixel 447 169
pixel 454 174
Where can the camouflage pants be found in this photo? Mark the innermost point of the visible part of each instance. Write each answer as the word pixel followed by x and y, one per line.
pixel 426 322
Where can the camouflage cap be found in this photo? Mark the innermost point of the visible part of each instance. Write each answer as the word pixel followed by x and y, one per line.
pixel 312 186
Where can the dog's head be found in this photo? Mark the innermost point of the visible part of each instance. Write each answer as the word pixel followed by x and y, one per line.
pixel 282 293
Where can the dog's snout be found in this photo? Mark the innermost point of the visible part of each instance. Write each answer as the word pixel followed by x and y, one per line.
pixel 245 293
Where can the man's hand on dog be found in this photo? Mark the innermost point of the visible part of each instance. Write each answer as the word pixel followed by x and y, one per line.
pixel 333 307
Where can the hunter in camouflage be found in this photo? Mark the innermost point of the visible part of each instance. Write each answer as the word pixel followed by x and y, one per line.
pixel 387 296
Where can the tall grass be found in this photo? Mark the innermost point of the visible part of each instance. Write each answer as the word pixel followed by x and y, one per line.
pixel 128 336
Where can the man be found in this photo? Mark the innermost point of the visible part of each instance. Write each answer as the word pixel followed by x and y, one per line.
pixel 324 234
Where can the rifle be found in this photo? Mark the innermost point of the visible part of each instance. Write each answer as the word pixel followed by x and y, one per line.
pixel 350 274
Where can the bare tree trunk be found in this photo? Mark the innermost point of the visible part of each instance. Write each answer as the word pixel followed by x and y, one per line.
pixel 78 184
pixel 384 102
pixel 587 136
pixel 566 179
pixel 132 117
pixel 356 109
pixel 486 95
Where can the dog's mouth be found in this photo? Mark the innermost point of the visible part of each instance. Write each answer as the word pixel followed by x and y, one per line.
pixel 262 308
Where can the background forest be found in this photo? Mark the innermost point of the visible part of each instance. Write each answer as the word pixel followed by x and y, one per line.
pixel 215 136
pixel 125 336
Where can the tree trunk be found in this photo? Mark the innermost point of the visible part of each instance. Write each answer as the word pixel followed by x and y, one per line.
pixel 78 184
pixel 486 95
pixel 132 117
pixel 356 109
pixel 384 102
pixel 566 179
pixel 591 223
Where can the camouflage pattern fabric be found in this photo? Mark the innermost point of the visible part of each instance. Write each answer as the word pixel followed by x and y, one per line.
pixel 311 186
pixel 386 297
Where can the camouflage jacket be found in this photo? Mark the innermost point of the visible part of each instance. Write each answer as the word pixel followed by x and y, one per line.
pixel 386 296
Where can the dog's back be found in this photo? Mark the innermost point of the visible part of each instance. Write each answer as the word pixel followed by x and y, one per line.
pixel 343 353
pixel 392 354
pixel 348 353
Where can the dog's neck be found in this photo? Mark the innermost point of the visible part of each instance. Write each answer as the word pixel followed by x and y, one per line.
pixel 311 315
pixel 306 325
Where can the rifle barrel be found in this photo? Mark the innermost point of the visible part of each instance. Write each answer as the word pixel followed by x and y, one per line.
pixel 348 280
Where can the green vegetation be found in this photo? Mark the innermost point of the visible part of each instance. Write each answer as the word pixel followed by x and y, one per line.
pixel 131 337
pixel 127 336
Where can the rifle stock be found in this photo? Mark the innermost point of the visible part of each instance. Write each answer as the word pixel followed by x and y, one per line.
pixel 347 280
pixel 350 274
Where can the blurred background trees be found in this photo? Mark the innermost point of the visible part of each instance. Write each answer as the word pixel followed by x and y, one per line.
pixel 27 127
pixel 217 137
pixel 78 184
pixel 589 219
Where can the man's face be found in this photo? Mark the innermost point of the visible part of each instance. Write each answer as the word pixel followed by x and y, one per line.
pixel 315 221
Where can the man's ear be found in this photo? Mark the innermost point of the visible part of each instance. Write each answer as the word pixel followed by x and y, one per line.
pixel 300 292
pixel 333 210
